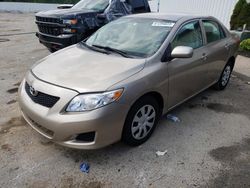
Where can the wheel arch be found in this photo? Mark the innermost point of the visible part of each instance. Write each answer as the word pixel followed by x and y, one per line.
pixel 156 95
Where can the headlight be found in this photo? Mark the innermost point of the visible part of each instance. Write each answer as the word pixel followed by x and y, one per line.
pixel 87 102
pixel 70 22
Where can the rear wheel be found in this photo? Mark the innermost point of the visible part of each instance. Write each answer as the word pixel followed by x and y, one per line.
pixel 225 77
pixel 141 121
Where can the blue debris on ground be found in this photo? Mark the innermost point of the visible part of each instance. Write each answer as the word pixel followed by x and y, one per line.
pixel 84 167
pixel 173 118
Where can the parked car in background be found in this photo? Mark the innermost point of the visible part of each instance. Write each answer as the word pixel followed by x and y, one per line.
pixel 71 24
pixel 243 35
pixel 117 84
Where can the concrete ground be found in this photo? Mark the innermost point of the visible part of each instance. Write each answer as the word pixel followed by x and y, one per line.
pixel 242 68
pixel 210 147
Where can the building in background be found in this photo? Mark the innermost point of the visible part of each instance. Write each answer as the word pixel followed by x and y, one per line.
pixel 221 9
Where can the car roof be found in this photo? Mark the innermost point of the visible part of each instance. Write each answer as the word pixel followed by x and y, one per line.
pixel 169 17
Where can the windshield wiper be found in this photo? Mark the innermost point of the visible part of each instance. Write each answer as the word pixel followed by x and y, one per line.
pixel 94 48
pixel 122 53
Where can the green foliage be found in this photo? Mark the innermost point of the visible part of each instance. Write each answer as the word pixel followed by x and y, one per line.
pixel 236 13
pixel 241 15
pixel 44 1
pixel 245 45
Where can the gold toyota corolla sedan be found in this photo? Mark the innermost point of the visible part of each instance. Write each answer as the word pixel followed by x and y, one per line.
pixel 117 84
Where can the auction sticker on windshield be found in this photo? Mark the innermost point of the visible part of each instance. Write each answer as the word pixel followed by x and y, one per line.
pixel 163 24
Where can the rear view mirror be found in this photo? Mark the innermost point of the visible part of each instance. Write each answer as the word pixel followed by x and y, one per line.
pixel 65 6
pixel 182 52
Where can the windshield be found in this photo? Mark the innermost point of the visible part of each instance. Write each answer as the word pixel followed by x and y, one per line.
pixel 98 5
pixel 140 37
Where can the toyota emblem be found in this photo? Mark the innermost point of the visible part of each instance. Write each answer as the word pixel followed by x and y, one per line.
pixel 33 92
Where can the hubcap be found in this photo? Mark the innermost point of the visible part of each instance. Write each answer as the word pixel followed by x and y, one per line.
pixel 226 76
pixel 143 122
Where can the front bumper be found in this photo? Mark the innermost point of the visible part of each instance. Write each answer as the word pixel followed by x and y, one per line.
pixel 57 42
pixel 61 127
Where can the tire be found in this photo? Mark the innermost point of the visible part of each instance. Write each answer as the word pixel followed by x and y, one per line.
pixel 225 77
pixel 137 128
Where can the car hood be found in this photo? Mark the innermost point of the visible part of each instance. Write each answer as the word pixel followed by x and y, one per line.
pixel 84 70
pixel 64 12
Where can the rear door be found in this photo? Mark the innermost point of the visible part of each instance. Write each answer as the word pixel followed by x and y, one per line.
pixel 187 76
pixel 217 48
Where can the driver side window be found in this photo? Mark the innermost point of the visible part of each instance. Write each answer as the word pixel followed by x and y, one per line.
pixel 189 35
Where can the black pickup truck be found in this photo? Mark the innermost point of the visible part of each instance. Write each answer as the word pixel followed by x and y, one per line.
pixel 71 24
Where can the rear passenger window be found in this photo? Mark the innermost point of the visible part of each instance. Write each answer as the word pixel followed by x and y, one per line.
pixel 189 35
pixel 213 31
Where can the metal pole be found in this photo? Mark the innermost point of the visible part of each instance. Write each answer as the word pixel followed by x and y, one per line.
pixel 158 8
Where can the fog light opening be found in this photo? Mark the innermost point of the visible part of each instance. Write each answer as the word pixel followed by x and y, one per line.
pixel 86 137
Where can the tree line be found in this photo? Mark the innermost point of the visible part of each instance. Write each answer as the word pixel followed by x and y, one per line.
pixel 241 15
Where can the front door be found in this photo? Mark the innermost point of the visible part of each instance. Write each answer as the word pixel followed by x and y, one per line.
pixel 187 76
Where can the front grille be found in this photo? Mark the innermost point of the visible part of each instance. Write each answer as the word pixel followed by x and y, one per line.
pixel 41 98
pixel 49 25
pixel 44 19
pixel 49 30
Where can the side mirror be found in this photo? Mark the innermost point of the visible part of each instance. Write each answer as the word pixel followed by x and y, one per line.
pixel 182 52
pixel 65 6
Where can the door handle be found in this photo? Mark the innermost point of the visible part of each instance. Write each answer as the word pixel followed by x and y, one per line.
pixel 204 57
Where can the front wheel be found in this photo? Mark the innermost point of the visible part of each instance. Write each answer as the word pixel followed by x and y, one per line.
pixel 225 77
pixel 141 121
